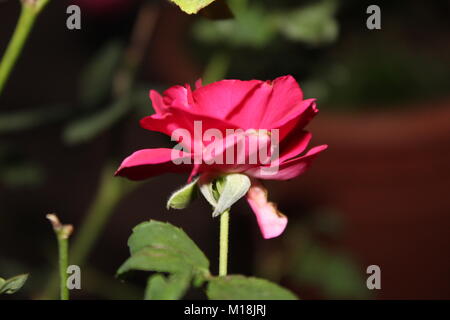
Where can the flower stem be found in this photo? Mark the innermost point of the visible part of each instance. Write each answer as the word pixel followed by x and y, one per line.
pixel 63 233
pixel 30 10
pixel 63 247
pixel 224 229
pixel 110 192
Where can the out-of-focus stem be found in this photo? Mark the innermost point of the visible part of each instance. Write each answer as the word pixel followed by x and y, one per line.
pixel 134 54
pixel 30 10
pixel 217 67
pixel 110 191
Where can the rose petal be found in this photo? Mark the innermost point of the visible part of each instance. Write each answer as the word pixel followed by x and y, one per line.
pixel 288 169
pixel 220 98
pixel 147 163
pixel 271 222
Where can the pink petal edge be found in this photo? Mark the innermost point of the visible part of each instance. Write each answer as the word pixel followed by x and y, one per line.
pixel 271 222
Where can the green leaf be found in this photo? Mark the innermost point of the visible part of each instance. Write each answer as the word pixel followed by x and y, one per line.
pixel 253 27
pixel 13 284
pixel 21 174
pixel 181 198
pixel 11 122
pixel 88 127
pixel 333 272
pixel 237 287
pixel 162 247
pixel 96 79
pixel 192 6
pixel 173 287
pixel 314 24
pixel 217 68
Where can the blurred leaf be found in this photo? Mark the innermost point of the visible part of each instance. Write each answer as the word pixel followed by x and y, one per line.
pixel 334 273
pixel 13 284
pixel 86 128
pixel 162 247
pixel 96 79
pixel 327 222
pixel 314 24
pixel 374 76
pixel 172 287
pixel 217 68
pixel 237 287
pixel 191 6
pixel 252 27
pixel 21 175
pixel 181 198
pixel 24 120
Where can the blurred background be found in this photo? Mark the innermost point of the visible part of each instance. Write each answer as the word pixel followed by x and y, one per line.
pixel 380 194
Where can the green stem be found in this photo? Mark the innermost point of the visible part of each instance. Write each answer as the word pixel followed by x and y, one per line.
pixel 108 195
pixel 63 246
pixel 110 191
pixel 224 229
pixel 30 10
pixel 217 67
pixel 63 233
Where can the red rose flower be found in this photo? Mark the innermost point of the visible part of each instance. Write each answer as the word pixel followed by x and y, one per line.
pixel 268 115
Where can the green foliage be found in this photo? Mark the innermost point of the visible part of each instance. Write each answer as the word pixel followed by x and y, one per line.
pixel 314 24
pixel 255 26
pixel 252 27
pixel 331 271
pixel 217 68
pixel 16 170
pixel 173 287
pixel 86 128
pixel 165 249
pixel 181 198
pixel 11 122
pixel 237 287
pixel 21 174
pixel 192 6
pixel 334 273
pixel 376 76
pixel 162 247
pixel 13 284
